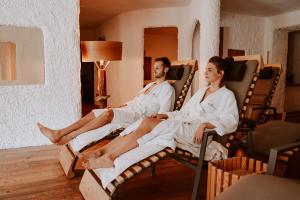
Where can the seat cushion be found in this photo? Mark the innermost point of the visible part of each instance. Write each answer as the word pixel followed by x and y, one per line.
pixel 274 133
pixel 264 187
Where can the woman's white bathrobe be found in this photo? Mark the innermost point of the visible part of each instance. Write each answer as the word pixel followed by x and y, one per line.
pixel 160 99
pixel 219 109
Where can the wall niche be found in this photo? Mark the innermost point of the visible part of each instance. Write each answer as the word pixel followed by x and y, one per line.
pixel 21 55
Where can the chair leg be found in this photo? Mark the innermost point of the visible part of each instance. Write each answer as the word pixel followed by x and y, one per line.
pixel 199 166
pixel 196 183
pixel 153 169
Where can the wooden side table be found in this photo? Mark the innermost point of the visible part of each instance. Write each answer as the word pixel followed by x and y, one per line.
pixel 223 173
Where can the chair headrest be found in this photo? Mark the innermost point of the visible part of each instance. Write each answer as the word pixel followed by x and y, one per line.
pixel 175 72
pixel 268 72
pixel 235 71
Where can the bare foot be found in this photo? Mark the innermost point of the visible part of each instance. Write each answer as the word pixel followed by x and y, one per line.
pixel 104 161
pixel 87 155
pixel 52 135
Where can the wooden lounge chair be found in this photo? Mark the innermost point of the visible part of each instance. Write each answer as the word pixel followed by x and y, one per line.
pixel 260 109
pixel 266 187
pixel 69 160
pixel 91 187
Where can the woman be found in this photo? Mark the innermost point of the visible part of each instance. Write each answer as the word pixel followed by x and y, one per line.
pixel 212 107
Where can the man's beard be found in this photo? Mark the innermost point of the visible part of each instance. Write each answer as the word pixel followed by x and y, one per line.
pixel 160 75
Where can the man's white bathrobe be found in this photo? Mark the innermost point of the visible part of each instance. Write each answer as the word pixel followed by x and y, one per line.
pixel 159 99
pixel 219 109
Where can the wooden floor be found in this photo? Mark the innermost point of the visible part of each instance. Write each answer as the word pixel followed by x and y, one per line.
pixel 34 173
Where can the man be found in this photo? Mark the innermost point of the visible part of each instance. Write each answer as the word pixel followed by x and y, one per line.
pixel 156 97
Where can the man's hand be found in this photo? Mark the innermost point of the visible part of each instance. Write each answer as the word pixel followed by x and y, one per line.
pixel 199 134
pixel 160 116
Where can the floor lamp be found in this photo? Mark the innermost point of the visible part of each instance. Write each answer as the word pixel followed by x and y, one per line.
pixel 101 53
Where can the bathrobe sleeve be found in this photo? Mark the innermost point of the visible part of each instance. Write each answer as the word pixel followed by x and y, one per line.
pixel 166 99
pixel 190 105
pixel 227 121
pixel 141 91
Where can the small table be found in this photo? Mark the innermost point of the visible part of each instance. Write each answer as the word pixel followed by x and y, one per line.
pixel 223 173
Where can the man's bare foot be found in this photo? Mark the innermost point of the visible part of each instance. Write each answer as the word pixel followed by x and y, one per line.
pixel 104 161
pixel 52 135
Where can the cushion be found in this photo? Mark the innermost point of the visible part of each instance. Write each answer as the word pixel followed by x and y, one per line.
pixel 264 187
pixel 236 72
pixel 274 133
pixel 266 73
pixel 175 72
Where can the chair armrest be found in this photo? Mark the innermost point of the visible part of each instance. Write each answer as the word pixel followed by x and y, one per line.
pixel 274 152
pixel 248 122
pixel 204 145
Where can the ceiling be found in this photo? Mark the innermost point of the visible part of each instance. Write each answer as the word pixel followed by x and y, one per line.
pixel 260 7
pixel 95 12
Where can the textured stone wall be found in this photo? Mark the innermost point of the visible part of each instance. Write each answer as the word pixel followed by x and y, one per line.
pixel 55 103
pixel 209 34
pixel 243 32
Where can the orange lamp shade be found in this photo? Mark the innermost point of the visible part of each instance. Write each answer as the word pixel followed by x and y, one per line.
pixel 93 51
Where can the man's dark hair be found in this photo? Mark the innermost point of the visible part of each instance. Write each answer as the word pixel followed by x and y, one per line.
pixel 165 61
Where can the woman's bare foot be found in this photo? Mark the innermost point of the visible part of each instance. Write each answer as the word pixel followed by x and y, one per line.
pixel 87 155
pixel 52 135
pixel 104 161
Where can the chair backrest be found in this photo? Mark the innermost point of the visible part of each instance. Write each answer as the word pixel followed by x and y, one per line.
pixel 264 90
pixel 243 89
pixel 265 85
pixel 182 86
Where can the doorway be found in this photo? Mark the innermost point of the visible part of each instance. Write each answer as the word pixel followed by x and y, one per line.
pixel 159 42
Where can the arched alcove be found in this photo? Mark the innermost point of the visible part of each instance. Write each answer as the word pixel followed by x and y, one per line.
pixel 196 54
pixel 21 55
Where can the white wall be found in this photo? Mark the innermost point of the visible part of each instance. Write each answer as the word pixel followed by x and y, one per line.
pixel 129 28
pixel 57 102
pixel 243 32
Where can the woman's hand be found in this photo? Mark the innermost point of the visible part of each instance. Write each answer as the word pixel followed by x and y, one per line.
pixel 160 116
pixel 199 134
